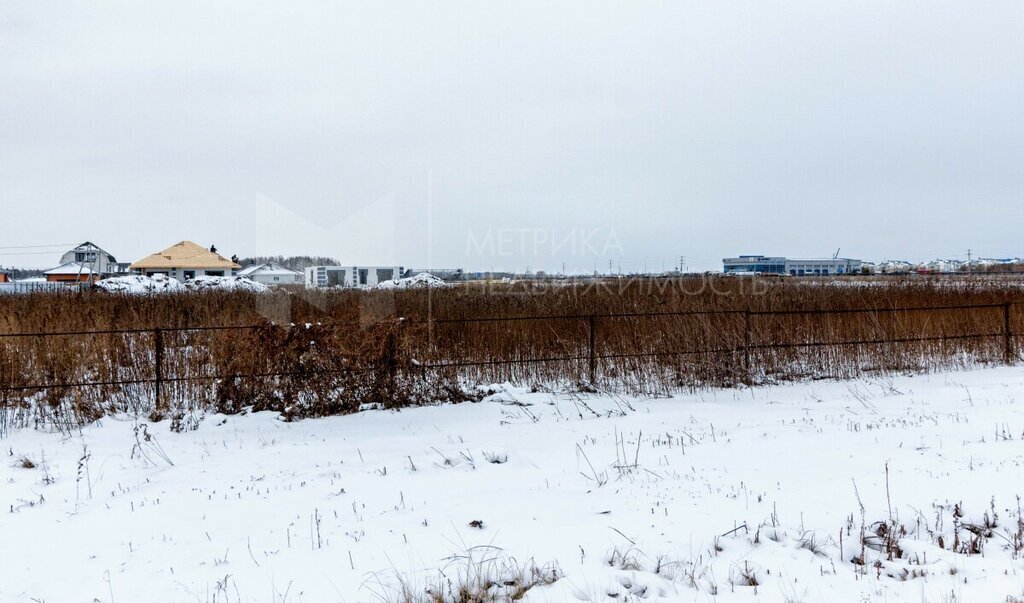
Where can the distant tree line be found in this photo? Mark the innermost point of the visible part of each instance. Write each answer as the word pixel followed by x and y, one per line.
pixel 295 262
pixel 1000 268
pixel 20 273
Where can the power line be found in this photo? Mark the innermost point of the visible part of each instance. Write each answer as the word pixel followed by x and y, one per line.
pixel 35 246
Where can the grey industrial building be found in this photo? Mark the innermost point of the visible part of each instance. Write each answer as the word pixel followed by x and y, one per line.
pixel 351 276
pixel 760 264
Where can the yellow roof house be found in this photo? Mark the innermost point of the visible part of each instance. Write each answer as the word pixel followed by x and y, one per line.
pixel 185 261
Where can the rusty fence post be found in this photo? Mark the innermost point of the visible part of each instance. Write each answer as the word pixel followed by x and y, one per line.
pixel 3 374
pixel 1008 352
pixel 592 356
pixel 746 345
pixel 391 364
pixel 158 342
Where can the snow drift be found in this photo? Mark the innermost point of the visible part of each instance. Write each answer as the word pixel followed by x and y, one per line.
pixel 158 283
pixel 138 284
pixel 423 280
pixel 225 283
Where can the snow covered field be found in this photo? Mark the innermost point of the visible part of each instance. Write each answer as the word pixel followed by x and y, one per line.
pixel 724 495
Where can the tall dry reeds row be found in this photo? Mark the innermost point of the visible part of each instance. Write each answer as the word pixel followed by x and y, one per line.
pixel 330 352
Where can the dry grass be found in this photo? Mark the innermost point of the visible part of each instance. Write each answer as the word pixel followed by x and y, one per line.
pixel 315 353
pixel 482 575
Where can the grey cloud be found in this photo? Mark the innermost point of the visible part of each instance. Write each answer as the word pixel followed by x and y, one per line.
pixel 696 128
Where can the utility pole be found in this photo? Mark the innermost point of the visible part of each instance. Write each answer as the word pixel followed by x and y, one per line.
pixel 969 261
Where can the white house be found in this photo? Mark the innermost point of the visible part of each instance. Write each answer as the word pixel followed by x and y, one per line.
pixel 351 276
pixel 272 274
pixel 98 260
pixel 85 263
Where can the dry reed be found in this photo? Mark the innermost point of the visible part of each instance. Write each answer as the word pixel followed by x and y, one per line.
pixel 313 353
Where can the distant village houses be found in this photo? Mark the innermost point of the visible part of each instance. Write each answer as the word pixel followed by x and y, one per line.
pixel 86 264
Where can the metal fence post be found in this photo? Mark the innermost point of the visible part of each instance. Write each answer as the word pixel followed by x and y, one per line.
pixel 390 368
pixel 592 321
pixel 746 343
pixel 158 339
pixel 1008 333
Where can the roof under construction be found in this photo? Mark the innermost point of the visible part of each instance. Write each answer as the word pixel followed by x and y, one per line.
pixel 185 254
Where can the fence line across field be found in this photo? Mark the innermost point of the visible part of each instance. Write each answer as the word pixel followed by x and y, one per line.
pixel 592 357
pixel 486 319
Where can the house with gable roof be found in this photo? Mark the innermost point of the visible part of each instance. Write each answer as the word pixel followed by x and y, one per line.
pixel 86 262
pixel 185 261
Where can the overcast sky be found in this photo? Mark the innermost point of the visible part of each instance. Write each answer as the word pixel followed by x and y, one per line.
pixel 512 135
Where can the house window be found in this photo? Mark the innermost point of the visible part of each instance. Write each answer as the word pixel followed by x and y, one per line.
pixel 276 278
pixel 188 274
pixel 214 273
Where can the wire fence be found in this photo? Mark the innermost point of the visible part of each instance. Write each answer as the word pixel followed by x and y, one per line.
pixel 328 368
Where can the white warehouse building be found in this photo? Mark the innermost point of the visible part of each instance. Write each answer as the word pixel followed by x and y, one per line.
pixel 760 264
pixel 351 276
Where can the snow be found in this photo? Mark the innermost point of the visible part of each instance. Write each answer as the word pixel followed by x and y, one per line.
pixel 421 280
pixel 225 283
pixel 140 285
pixel 889 267
pixel 70 268
pixel 633 499
pixel 160 283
